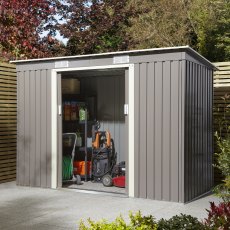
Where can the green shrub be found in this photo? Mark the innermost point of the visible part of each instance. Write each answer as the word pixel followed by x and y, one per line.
pixel 180 222
pixel 137 222
pixel 223 144
pixel 223 163
pixel 218 216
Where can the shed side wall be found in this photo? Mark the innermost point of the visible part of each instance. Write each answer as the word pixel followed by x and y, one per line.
pixel 158 129
pixel 34 128
pixel 198 131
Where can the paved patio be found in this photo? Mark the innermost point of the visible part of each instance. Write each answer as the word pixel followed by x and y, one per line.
pixel 24 208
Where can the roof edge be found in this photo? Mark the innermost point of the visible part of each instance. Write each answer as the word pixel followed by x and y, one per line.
pixel 201 57
pixel 179 48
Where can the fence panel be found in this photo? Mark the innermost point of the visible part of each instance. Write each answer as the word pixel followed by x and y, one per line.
pixel 221 88
pixel 8 122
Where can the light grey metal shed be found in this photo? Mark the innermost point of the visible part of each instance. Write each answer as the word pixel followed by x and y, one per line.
pixel 167 133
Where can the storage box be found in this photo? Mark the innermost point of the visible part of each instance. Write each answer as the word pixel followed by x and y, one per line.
pixel 79 167
pixel 70 86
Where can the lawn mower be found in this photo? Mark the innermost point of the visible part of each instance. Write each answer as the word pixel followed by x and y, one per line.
pixel 118 175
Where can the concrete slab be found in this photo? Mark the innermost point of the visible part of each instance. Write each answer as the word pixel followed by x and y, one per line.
pixel 37 208
pixel 97 187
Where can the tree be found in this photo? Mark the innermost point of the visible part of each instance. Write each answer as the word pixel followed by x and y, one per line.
pixel 95 26
pixel 21 25
pixel 162 23
pixel 202 24
pixel 210 20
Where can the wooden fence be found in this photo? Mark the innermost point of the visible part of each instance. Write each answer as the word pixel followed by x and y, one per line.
pixel 8 122
pixel 221 88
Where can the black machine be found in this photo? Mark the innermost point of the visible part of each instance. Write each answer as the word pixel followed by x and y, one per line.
pixel 119 169
pixel 103 156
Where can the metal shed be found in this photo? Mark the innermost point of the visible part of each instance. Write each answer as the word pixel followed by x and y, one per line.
pixel 167 132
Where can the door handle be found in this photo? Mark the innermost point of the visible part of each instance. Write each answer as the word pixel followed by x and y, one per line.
pixel 59 110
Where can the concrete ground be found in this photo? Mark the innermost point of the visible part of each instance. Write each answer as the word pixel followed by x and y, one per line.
pixel 24 208
pixel 94 186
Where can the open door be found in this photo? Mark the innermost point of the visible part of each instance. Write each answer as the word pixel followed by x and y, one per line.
pixel 110 89
pixel 59 133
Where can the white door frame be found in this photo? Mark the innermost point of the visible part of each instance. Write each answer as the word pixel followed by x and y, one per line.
pixel 54 117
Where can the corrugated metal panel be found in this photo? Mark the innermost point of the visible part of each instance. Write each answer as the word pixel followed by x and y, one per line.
pixel 158 104
pixel 20 129
pixel 38 130
pixel 143 133
pixel 8 119
pixel 34 128
pixel 211 145
pixel 137 130
pixel 198 142
pixel 150 139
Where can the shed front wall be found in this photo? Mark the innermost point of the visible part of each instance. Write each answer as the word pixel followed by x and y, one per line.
pixel 159 104
pixel 34 122
pixel 34 128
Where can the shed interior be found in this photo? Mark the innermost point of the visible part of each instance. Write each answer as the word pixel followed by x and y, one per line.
pixel 101 95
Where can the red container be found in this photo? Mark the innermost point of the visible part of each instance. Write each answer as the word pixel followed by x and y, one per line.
pixel 119 181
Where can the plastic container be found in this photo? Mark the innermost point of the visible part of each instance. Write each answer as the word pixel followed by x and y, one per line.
pixel 67 111
pixel 79 140
pixel 82 114
pixel 79 168
pixel 73 111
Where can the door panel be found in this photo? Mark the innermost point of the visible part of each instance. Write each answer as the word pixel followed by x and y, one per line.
pixel 126 142
pixel 59 128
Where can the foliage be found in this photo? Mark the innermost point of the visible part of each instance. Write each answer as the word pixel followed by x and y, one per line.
pixel 204 25
pixel 210 20
pixel 21 24
pixel 180 222
pixel 160 24
pixel 218 216
pixel 137 221
pixel 223 156
pixel 94 26
pixel 140 222
pixel 222 116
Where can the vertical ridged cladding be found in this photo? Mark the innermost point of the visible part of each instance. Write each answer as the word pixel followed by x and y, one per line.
pixel 198 130
pixel 172 123
pixel 158 130
pixel 34 128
